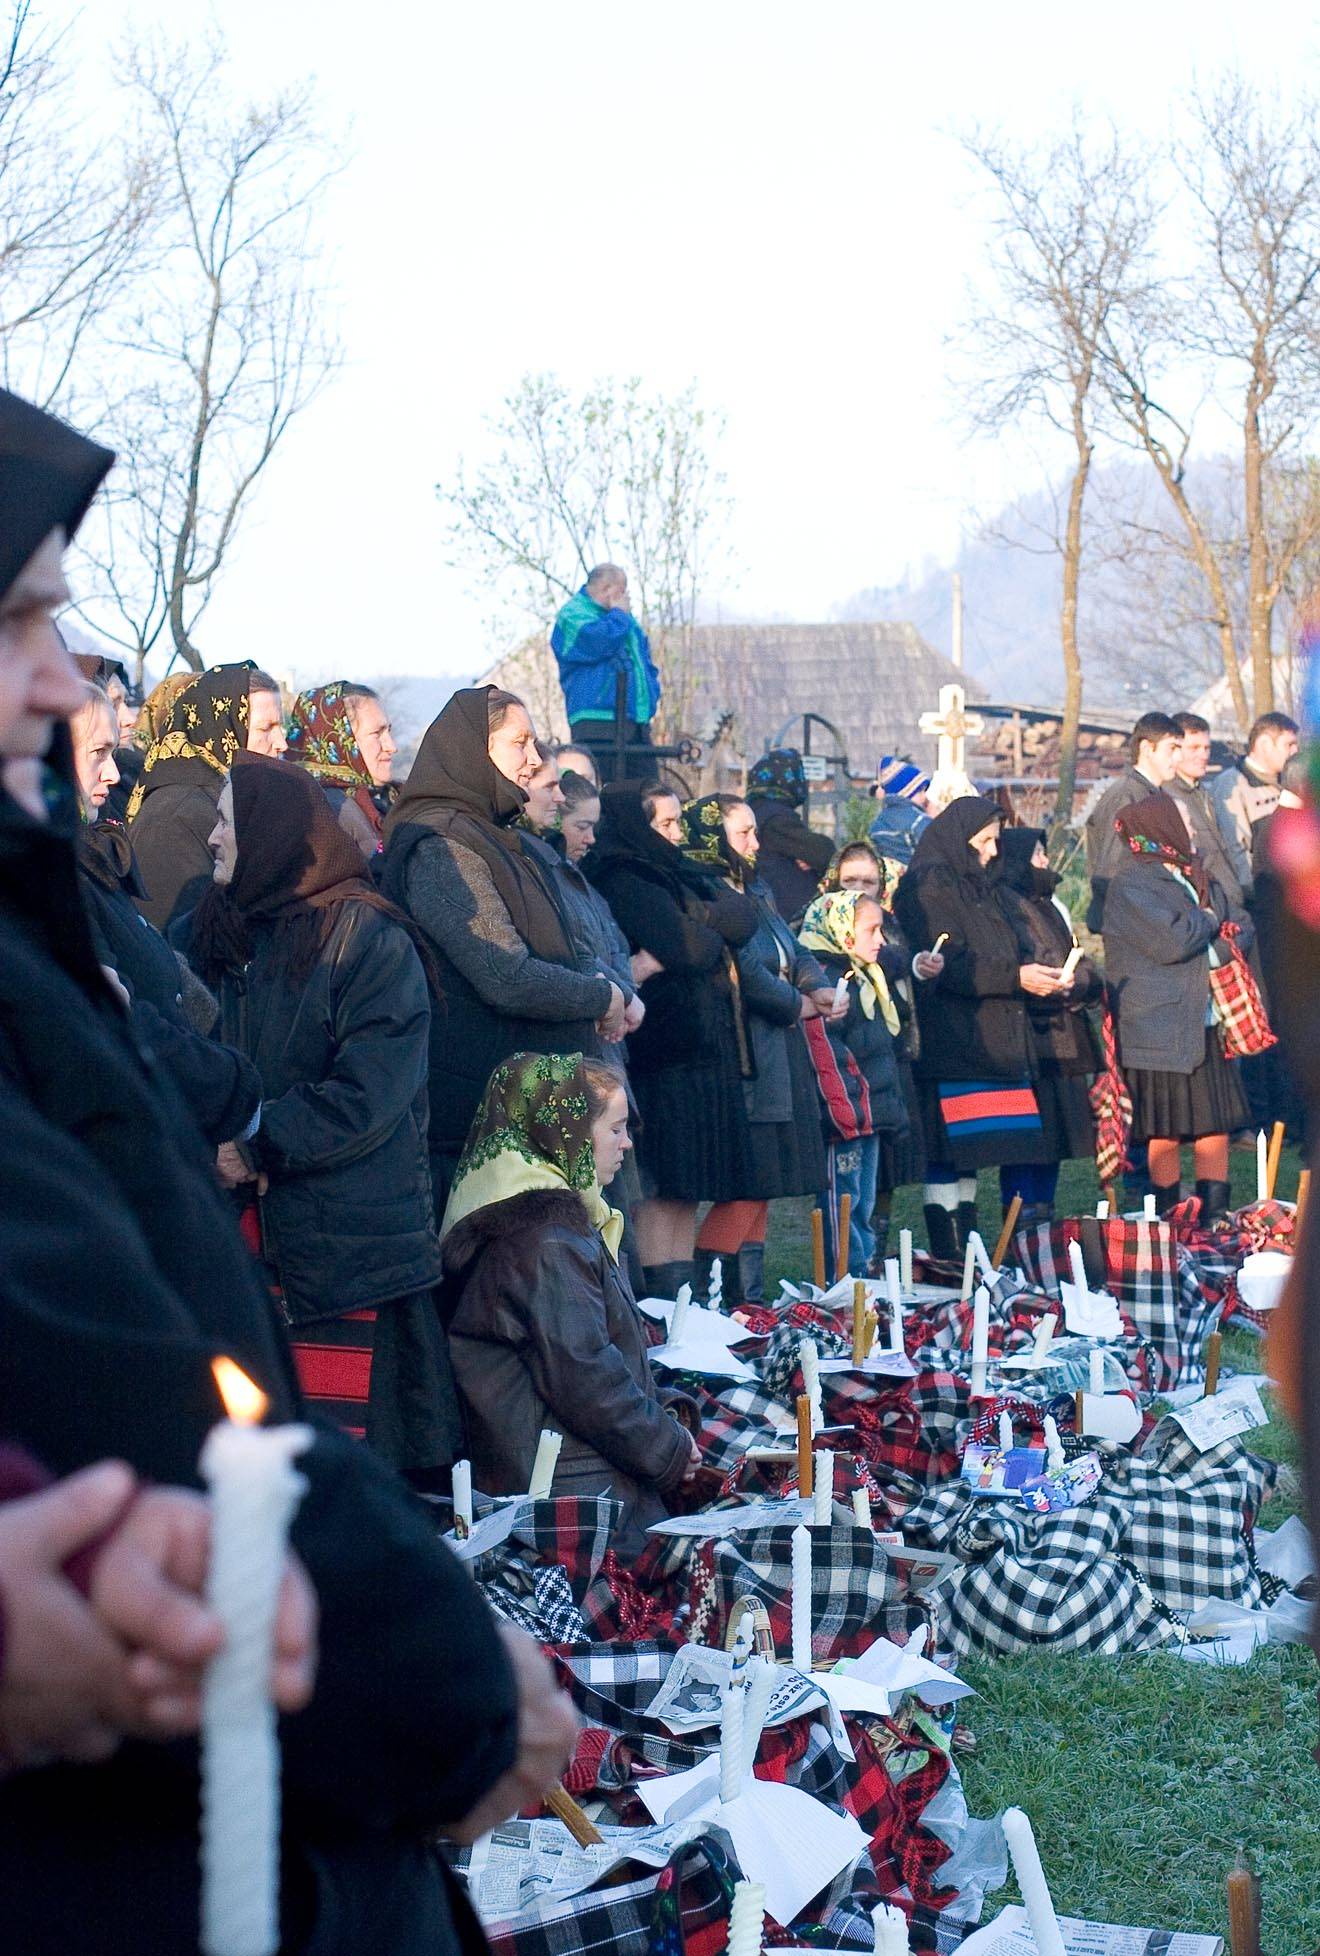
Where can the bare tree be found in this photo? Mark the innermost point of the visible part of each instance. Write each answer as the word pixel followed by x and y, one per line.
pixel 610 474
pixel 225 346
pixel 74 215
pixel 1073 235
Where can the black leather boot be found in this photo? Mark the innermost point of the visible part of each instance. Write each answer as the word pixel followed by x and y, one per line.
pixel 751 1269
pixel 1215 1200
pixel 1166 1198
pixel 967 1222
pixel 942 1233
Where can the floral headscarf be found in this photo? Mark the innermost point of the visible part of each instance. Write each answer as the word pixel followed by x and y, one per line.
pixel 780 776
pixel 705 841
pixel 155 712
pixel 532 1131
pixel 830 925
pixel 1155 827
pixel 321 739
pixel 205 727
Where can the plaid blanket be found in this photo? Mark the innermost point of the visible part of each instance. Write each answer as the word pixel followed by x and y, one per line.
pixel 1217 1253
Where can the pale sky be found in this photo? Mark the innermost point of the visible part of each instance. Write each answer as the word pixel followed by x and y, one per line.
pixel 764 197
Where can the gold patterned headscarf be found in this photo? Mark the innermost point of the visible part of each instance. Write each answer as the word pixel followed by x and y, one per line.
pixel 205 726
pixel 155 712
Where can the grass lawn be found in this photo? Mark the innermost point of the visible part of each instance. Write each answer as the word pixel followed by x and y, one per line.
pixel 1143 1774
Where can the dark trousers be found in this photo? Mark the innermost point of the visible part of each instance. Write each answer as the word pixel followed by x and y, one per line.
pixel 597 736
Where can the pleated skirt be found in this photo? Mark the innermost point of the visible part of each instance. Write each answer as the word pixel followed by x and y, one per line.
pixel 1184 1106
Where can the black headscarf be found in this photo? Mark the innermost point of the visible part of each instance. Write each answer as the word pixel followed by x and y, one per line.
pixel 1016 869
pixel 944 845
pixel 206 726
pixel 48 476
pixel 779 776
pixel 454 789
pixel 626 839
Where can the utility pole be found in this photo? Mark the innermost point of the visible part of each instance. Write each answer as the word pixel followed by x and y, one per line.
pixel 957 620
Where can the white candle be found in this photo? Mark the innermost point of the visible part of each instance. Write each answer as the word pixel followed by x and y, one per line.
pixel 1070 963
pixel 982 1255
pixel 543 1467
pixel 841 992
pixel 1148 1206
pixel 462 1482
pixel 1262 1166
pixel 916 1643
pixel 905 1260
pixel 1077 1265
pixel 810 1360
pixel 255 1490
pixel 731 1740
pixel 1098 1374
pixel 678 1317
pixel 969 1271
pixel 762 1678
pixel 890 1926
pixel 1102 1210
pixel 1045 1331
pixel 822 1488
pixel 894 1288
pixel 746 1918
pixel 801 1617
pixel 1053 1446
pixel 1031 1880
pixel 861 1507
pixel 980 1340
pixel 715 1288
pixel 1005 1432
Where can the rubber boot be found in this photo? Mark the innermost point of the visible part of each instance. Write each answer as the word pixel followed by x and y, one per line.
pixel 703 1262
pixel 942 1233
pixel 1215 1199
pixel 751 1269
pixel 1166 1198
pixel 967 1222
pixel 664 1279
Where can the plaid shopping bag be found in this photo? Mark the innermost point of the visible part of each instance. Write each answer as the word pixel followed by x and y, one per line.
pixel 1111 1103
pixel 1239 1009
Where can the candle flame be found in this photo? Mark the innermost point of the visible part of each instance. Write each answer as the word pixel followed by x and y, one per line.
pixel 245 1402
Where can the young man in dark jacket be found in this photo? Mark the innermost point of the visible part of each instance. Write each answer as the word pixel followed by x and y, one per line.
pixel 1154 751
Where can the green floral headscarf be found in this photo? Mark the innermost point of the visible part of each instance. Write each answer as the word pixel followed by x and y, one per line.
pixel 830 925
pixel 704 840
pixel 532 1131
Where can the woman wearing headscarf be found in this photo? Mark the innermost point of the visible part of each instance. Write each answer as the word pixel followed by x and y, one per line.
pixel 171 812
pixel 793 858
pixel 780 986
pixel 1162 923
pixel 542 1323
pixel 321 986
pixel 974 1069
pixel 324 729
pixel 690 1056
pixel 1063 1045
pixel 855 1055
pixel 219 1085
pixel 458 865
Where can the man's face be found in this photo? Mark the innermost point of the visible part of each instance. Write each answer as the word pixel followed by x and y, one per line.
pixel 1159 758
pixel 1195 757
pixel 1273 751
pixel 266 725
pixel 513 747
pixel 375 739
pixel 39 683
pixel 545 797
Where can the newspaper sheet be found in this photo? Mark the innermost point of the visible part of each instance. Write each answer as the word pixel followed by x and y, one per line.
pixel 525 1862
pixel 691 1697
pixel 1010 1935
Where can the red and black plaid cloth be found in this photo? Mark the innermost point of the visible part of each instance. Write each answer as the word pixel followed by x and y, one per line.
pixel 1238 1006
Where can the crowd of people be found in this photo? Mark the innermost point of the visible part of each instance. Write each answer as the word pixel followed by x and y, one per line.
pixel 400 1094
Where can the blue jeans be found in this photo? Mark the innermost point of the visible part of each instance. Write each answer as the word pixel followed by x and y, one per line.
pixel 853 1167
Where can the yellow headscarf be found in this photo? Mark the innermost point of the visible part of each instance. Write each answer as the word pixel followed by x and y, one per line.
pixel 831 925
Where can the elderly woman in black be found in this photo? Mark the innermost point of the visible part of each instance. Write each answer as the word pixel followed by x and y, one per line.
pixel 1162 923
pixel 793 857
pixel 321 985
pixel 457 863
pixel 1063 1047
pixel 689 1058
pixel 975 1068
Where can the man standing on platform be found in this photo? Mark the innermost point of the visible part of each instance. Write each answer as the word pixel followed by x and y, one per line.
pixel 1154 748
pixel 595 639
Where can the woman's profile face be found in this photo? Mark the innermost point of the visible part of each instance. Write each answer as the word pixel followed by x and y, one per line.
pixel 610 1140
pixel 577 825
pixel 223 839
pixel 513 747
pixel 984 845
pixel 94 758
pixel 1039 860
pixel 668 819
pixel 868 931
pixel 740 831
pixel 860 873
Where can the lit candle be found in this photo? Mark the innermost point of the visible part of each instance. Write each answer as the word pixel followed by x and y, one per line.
pixel 969 1272
pixel 1077 1265
pixel 1005 1432
pixel 1031 1880
pixel 841 992
pixel 1053 1446
pixel 1045 1331
pixel 980 1340
pixel 1262 1167
pixel 462 1485
pixel 905 1260
pixel 822 1493
pixel 804 1445
pixel 255 1490
pixel 810 1361
pixel 893 1286
pixel 861 1507
pixel 890 1927
pixel 1148 1206
pixel 746 1918
pixel 731 1740
pixel 715 1289
pixel 543 1467
pixel 801 1606
pixel 678 1319
pixel 1098 1375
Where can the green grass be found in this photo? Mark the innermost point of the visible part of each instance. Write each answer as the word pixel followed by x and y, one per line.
pixel 1143 1774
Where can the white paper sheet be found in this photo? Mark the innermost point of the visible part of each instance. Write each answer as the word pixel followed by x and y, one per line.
pixel 1010 1935
pixel 882 1364
pixel 1110 1416
pixel 898 1669
pixel 700 1326
pixel 490 1530
pixel 716 1524
pixel 1094 1315
pixel 712 1361
pixel 1237 1409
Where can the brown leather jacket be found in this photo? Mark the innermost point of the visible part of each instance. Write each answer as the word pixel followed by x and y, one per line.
pixel 544 1332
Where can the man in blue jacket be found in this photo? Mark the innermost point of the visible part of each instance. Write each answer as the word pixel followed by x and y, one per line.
pixel 595 638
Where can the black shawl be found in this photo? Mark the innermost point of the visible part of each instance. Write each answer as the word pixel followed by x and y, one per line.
pixel 48 476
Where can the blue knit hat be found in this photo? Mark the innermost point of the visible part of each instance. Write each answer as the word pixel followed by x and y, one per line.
pixel 900 777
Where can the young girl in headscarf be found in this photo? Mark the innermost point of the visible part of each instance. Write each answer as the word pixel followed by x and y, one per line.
pixel 856 1060
pixel 1162 923
pixel 542 1324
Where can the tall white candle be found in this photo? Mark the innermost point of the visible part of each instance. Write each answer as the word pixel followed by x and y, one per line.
pixel 746 1918
pixel 1053 1446
pixel 980 1340
pixel 905 1260
pixel 543 1467
pixel 731 1740
pixel 969 1270
pixel 1005 1432
pixel 1262 1166
pixel 762 1678
pixel 1045 1331
pixel 715 1288
pixel 1148 1206
pixel 255 1490
pixel 861 1507
pixel 810 1360
pixel 982 1255
pixel 822 1488
pixel 1098 1374
pixel 894 1289
pixel 1077 1265
pixel 890 1927
pixel 801 1617
pixel 841 992
pixel 678 1317
pixel 1031 1880
pixel 462 1483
